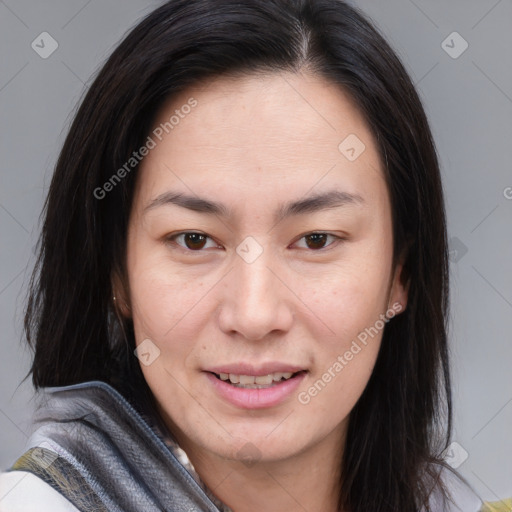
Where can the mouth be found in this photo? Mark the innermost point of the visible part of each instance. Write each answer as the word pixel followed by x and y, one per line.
pixel 256 381
pixel 245 390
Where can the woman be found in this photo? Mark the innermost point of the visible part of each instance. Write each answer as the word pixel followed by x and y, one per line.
pixel 241 295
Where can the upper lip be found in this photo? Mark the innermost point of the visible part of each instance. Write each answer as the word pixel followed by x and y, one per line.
pixel 256 371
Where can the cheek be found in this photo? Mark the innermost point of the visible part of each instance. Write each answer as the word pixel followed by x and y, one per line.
pixel 352 297
pixel 164 299
pixel 156 312
pixel 345 360
pixel 334 393
pixel 351 304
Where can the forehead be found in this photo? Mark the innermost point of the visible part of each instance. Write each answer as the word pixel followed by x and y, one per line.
pixel 255 131
pixel 278 110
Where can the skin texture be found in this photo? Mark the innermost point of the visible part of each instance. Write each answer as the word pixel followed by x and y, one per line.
pixel 253 143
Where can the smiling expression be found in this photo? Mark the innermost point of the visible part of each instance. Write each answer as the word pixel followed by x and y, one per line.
pixel 258 250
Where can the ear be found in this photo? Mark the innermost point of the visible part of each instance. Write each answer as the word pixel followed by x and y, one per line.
pixel 399 288
pixel 119 295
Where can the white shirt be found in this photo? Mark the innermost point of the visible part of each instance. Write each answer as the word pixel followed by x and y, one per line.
pixel 21 491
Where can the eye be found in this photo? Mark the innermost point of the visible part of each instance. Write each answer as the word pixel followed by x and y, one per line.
pixel 316 241
pixel 193 241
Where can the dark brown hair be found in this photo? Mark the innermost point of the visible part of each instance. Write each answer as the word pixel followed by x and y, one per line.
pixel 402 422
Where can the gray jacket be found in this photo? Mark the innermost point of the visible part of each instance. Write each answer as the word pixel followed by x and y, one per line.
pixel 122 464
pixel 94 448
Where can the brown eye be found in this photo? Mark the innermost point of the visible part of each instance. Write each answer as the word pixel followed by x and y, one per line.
pixel 191 241
pixel 194 240
pixel 317 241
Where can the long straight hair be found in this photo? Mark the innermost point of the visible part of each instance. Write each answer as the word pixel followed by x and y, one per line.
pixel 402 422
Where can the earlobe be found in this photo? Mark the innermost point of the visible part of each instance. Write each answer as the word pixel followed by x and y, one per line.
pixel 119 302
pixel 121 306
pixel 400 286
pixel 400 291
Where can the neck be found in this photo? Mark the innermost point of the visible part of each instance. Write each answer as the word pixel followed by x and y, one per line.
pixel 308 481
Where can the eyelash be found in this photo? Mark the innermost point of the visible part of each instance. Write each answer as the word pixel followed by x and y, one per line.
pixel 171 238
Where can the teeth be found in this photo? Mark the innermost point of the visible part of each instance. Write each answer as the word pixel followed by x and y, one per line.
pixel 252 381
pixel 245 379
pixel 263 379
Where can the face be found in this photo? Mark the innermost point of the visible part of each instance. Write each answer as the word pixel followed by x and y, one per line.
pixel 258 318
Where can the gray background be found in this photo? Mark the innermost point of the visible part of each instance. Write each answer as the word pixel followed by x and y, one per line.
pixel 469 103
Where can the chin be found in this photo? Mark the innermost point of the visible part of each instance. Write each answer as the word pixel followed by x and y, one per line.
pixel 258 444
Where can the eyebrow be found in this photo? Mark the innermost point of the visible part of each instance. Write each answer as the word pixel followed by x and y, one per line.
pixel 314 203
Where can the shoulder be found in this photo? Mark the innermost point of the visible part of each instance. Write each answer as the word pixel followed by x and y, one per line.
pixel 21 491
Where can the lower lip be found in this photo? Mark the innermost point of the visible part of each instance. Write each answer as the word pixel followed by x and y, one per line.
pixel 256 398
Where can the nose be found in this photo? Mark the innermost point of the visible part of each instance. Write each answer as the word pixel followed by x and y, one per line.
pixel 256 301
